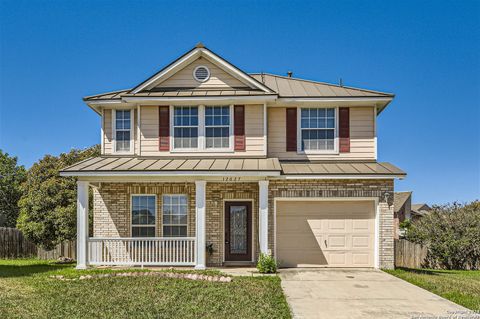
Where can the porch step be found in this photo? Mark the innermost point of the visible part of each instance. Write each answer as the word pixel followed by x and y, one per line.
pixel 238 264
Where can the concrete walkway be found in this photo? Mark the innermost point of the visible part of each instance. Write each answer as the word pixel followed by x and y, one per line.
pixel 347 293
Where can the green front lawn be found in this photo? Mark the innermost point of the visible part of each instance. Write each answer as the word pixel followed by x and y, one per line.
pixel 27 291
pixel 459 286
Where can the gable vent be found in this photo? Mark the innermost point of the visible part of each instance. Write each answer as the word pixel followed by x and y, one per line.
pixel 201 73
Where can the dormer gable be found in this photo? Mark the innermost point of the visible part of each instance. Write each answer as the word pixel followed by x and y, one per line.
pixel 202 69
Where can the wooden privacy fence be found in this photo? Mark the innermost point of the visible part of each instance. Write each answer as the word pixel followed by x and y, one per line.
pixel 14 245
pixel 408 254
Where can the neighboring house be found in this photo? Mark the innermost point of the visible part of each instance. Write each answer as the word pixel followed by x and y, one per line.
pixel 419 210
pixel 203 154
pixel 402 203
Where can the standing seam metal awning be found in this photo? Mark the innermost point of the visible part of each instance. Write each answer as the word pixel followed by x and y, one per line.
pixel 264 167
pixel 136 164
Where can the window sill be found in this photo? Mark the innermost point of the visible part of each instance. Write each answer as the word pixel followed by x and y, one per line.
pixel 318 152
pixel 123 153
pixel 206 151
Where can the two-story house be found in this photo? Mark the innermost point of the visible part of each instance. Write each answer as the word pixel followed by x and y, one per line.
pixel 203 164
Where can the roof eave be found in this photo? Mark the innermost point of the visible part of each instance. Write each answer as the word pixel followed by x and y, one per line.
pixel 345 176
pixel 171 173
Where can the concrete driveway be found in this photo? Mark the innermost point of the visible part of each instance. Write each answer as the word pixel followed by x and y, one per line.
pixel 348 293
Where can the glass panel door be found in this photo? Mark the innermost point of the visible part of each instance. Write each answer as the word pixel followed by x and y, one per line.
pixel 238 229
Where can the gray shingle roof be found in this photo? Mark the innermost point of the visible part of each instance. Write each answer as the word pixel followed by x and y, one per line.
pixel 420 209
pixel 399 199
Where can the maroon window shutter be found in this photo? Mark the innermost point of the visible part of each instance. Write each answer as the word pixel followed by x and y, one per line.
pixel 291 129
pixel 239 127
pixel 164 128
pixel 344 129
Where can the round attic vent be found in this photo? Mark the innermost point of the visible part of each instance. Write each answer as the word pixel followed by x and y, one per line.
pixel 201 73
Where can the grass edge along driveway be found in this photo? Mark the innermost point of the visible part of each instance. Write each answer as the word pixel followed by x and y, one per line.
pixel 27 291
pixel 459 286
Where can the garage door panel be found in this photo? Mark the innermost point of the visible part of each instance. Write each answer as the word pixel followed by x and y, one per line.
pixel 337 259
pixel 295 224
pixel 336 241
pixel 337 225
pixel 361 259
pixel 302 258
pixel 362 242
pixel 361 225
pixel 327 234
pixel 291 242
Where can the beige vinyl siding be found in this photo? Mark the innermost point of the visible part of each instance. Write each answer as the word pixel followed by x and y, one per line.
pixel 362 136
pixel 108 140
pixel 254 139
pixel 218 77
pixel 254 135
pixel 149 131
pixel 107 132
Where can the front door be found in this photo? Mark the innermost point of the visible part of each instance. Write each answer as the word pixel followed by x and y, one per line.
pixel 238 231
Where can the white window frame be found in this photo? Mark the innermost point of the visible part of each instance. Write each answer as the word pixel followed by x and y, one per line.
pixel 201 132
pixel 143 225
pixel 172 128
pixel 299 132
pixel 187 224
pixel 114 129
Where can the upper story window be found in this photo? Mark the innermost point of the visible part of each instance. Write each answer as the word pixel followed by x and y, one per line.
pixel 143 215
pixel 185 127
pixel 217 126
pixel 123 130
pixel 317 129
pixel 202 128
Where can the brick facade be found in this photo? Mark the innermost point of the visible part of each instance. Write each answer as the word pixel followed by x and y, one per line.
pixel 112 217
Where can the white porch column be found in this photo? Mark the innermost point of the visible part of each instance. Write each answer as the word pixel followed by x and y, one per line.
pixel 82 224
pixel 200 222
pixel 263 216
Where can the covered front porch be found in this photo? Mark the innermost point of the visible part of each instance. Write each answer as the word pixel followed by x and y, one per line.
pixel 226 221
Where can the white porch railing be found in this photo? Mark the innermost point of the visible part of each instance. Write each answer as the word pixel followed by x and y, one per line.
pixel 159 251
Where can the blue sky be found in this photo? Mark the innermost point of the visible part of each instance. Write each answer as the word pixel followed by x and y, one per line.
pixel 52 53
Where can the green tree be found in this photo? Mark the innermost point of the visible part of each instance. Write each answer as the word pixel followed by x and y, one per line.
pixel 12 176
pixel 452 235
pixel 48 206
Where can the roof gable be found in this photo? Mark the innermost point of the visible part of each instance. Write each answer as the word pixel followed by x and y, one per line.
pixel 184 79
pixel 230 74
pixel 399 200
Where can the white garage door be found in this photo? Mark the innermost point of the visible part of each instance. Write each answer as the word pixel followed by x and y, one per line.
pixel 325 233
